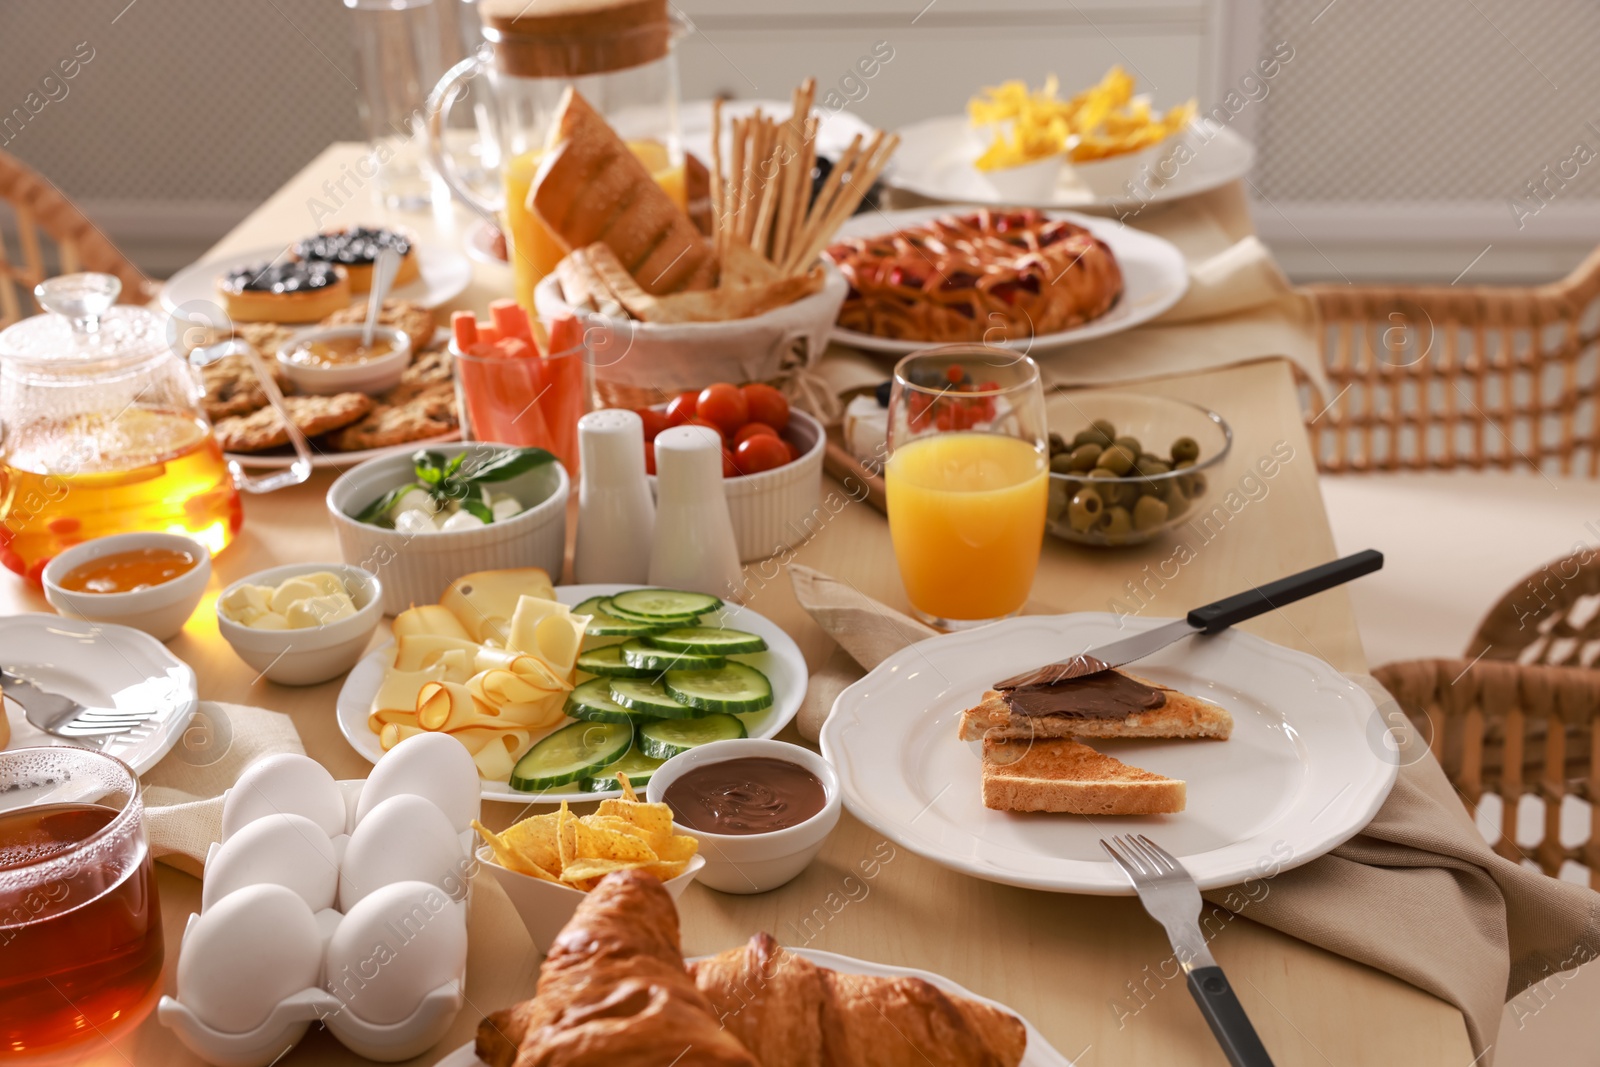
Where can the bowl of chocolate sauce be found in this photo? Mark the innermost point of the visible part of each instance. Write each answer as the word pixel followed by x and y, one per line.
pixel 761 809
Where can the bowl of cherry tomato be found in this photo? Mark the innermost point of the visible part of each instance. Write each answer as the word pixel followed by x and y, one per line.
pixel 771 461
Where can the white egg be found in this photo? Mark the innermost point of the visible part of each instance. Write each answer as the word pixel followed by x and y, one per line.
pixel 328 921
pixel 286 850
pixel 431 765
pixel 393 948
pixel 256 947
pixel 287 784
pixel 413 520
pixel 462 520
pixel 404 839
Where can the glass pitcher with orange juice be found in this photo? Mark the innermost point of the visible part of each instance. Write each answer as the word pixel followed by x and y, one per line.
pixel 618 53
pixel 102 431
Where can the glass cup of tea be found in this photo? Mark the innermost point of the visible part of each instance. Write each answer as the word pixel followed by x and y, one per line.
pixel 80 923
pixel 967 481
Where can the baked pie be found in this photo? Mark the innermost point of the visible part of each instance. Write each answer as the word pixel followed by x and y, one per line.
pixel 356 248
pixel 987 276
pixel 294 291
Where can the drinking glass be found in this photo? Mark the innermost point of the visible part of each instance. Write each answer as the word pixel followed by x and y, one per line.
pixel 400 52
pixel 967 481
pixel 80 924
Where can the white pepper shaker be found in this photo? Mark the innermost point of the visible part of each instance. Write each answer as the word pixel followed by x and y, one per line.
pixel 616 515
pixel 695 549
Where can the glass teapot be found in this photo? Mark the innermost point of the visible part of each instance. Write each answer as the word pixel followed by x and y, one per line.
pixel 619 54
pixel 102 429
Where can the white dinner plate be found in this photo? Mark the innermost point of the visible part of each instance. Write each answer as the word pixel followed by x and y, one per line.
pixel 1154 277
pixel 191 293
pixel 100 665
pixel 1306 768
pixel 782 663
pixel 1038 1053
pixel 935 159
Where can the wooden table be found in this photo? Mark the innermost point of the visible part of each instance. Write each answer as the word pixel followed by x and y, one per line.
pixel 1083 969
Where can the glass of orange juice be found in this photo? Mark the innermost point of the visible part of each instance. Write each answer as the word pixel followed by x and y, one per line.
pixel 967 481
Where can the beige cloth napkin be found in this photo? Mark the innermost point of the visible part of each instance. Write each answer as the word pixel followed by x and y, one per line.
pixel 1239 307
pixel 183 793
pixel 1418 893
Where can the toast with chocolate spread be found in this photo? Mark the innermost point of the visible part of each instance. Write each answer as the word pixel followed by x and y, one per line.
pixel 1112 703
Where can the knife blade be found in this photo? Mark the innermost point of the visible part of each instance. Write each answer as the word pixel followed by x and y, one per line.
pixel 1210 619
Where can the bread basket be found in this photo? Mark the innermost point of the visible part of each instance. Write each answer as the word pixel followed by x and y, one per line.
pixel 638 364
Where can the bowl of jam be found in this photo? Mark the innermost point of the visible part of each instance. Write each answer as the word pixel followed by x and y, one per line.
pixel 149 581
pixel 761 809
pixel 335 359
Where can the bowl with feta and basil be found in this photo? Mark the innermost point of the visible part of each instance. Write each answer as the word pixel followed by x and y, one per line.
pixel 419 520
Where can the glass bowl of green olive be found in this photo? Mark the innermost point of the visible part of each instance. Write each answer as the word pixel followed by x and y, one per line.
pixel 1125 468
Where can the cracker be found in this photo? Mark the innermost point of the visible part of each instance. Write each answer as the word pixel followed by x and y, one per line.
pixel 315 415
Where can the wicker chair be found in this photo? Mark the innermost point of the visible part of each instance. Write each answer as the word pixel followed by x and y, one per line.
pixel 38 207
pixel 1519 718
pixel 1441 377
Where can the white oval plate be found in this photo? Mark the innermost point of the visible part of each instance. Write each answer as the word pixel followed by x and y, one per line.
pixel 1038 1053
pixel 1154 277
pixel 935 159
pixel 1306 768
pixel 445 275
pixel 100 665
pixel 782 663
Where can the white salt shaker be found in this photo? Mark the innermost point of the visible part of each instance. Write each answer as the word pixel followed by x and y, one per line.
pixel 695 549
pixel 616 515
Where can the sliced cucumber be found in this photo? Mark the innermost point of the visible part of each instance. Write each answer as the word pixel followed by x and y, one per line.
pixel 664 603
pixel 652 661
pixel 666 738
pixel 736 687
pixel 592 702
pixel 653 622
pixel 602 624
pixel 636 765
pixel 649 698
pixel 609 662
pixel 708 641
pixel 572 752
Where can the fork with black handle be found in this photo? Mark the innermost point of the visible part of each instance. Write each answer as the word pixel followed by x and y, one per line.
pixel 1173 900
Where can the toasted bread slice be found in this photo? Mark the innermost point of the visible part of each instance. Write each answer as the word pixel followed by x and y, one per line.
pixel 1062 775
pixel 1181 716
pixel 590 187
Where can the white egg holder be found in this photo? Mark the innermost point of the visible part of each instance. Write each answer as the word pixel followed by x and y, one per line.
pixel 291 1017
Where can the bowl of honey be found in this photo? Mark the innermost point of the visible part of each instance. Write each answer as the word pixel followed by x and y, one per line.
pixel 149 581
pixel 334 359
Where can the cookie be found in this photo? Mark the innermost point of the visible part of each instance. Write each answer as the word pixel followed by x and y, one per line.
pixel 428 413
pixel 267 337
pixel 414 319
pixel 263 429
pixel 232 387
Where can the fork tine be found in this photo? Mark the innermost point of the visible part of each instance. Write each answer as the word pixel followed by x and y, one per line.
pixel 1127 868
pixel 1161 857
pixel 1130 851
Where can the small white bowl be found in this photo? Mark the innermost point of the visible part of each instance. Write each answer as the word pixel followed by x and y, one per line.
pixel 159 611
pixel 416 568
pixel 773 510
pixel 370 376
pixel 755 863
pixel 1027 183
pixel 1127 176
pixel 316 653
pixel 545 907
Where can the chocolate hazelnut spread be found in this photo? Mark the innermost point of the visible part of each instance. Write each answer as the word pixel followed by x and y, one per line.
pixel 1105 695
pixel 749 795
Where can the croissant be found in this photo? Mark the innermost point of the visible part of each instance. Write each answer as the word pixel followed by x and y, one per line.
pixel 791 1013
pixel 613 992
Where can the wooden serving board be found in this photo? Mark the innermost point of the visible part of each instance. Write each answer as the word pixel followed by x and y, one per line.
pixel 838 461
